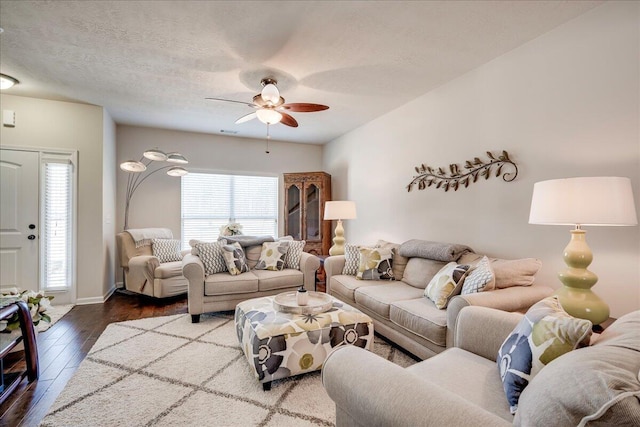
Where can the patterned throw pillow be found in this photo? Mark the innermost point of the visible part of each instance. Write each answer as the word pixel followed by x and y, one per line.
pixel 480 279
pixel 544 333
pixel 166 250
pixel 351 260
pixel 294 253
pixel 235 259
pixel 272 255
pixel 375 264
pixel 211 256
pixel 446 284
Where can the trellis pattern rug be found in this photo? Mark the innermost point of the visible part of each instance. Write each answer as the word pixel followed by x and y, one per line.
pixel 167 371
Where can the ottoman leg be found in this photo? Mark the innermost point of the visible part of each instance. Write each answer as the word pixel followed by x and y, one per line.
pixel 266 386
pixel 195 318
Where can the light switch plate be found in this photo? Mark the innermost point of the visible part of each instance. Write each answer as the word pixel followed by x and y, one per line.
pixel 9 118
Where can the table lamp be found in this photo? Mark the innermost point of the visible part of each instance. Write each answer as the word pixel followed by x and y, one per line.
pixel 339 210
pixel 582 201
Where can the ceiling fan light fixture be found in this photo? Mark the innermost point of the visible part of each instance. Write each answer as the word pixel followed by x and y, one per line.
pixel 177 171
pixel 155 154
pixel 7 81
pixel 177 158
pixel 268 116
pixel 133 166
pixel 270 93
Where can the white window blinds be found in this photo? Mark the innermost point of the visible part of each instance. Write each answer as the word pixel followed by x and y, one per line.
pixel 57 255
pixel 209 201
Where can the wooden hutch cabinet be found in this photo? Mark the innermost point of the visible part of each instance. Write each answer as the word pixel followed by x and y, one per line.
pixel 304 197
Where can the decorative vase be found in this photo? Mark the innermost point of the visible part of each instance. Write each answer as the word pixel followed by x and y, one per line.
pixel 302 297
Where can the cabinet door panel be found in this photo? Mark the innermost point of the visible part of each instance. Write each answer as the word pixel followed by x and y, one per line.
pixel 312 213
pixel 293 225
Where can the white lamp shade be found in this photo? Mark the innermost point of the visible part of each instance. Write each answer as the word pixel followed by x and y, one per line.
pixel 343 209
pixel 177 171
pixel 583 201
pixel 268 116
pixel 133 166
pixel 270 93
pixel 177 158
pixel 155 155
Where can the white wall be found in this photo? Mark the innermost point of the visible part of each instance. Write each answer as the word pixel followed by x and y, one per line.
pixel 65 125
pixel 563 105
pixel 109 204
pixel 156 203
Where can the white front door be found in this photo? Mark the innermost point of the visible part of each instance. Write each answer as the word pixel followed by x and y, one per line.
pixel 19 234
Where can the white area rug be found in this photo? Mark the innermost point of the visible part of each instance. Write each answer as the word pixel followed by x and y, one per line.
pixel 55 312
pixel 167 371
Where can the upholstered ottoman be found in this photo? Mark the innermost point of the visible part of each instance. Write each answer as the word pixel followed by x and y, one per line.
pixel 279 345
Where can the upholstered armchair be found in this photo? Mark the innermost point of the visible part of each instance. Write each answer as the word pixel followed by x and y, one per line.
pixel 146 273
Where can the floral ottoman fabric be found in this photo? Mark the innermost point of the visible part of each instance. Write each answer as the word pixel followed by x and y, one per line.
pixel 279 345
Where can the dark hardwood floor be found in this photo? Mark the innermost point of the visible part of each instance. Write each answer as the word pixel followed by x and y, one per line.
pixel 65 345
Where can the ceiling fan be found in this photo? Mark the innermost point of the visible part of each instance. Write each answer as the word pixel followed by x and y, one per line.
pixel 271 108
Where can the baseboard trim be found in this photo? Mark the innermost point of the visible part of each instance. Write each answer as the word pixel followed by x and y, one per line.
pixel 96 300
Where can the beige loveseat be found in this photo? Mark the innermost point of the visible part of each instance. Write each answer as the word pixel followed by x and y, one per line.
pixel 144 273
pixel 592 386
pixel 400 311
pixel 222 291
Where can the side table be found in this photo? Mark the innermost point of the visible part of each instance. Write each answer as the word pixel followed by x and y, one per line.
pixel 321 276
pixel 11 380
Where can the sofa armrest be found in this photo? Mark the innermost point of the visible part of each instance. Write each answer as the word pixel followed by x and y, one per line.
pixel 515 298
pixel 193 270
pixel 333 266
pixel 141 272
pixel 309 265
pixel 482 330
pixel 371 391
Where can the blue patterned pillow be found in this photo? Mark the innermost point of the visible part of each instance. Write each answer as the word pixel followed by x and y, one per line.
pixel 544 333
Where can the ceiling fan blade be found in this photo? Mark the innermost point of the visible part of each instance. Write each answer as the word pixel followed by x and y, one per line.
pixel 246 118
pixel 302 107
pixel 288 120
pixel 231 100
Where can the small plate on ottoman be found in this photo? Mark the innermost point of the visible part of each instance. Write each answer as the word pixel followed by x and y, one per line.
pixel 318 303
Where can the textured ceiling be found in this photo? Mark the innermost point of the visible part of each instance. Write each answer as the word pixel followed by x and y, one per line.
pixel 152 63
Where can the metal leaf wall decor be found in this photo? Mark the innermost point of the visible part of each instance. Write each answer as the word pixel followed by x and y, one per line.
pixel 457 177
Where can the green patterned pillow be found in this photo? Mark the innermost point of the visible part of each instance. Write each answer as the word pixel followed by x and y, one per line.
pixel 235 259
pixel 446 283
pixel 211 256
pixel 272 255
pixel 375 264
pixel 544 333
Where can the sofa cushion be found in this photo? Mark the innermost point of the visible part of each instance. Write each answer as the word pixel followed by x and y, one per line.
pixel 595 385
pixel 344 286
pixel 508 272
pixel 166 250
pixel 252 253
pixel 375 264
pixel 168 270
pixel 287 278
pixel 399 262
pixel 294 253
pixel 379 298
pixel 481 278
pixel 419 271
pixel 421 317
pixel 446 284
pixel 234 258
pixel 351 260
pixel 272 255
pixel 211 256
pixel 225 284
pixel 544 333
pixel 470 376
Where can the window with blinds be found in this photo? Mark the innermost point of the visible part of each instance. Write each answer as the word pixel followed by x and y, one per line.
pixel 56 236
pixel 210 201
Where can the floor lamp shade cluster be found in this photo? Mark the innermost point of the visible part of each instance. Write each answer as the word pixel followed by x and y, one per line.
pixel 140 170
pixel 339 210
pixel 592 201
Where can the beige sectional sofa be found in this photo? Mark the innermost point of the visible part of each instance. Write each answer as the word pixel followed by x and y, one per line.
pixel 222 291
pixel 593 386
pixel 402 314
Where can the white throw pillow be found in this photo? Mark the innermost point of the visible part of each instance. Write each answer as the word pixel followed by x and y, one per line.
pixel 212 257
pixel 351 260
pixel 480 279
pixel 166 250
pixel 272 255
pixel 294 253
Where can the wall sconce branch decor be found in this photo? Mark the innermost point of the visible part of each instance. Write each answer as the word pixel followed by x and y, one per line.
pixel 456 177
